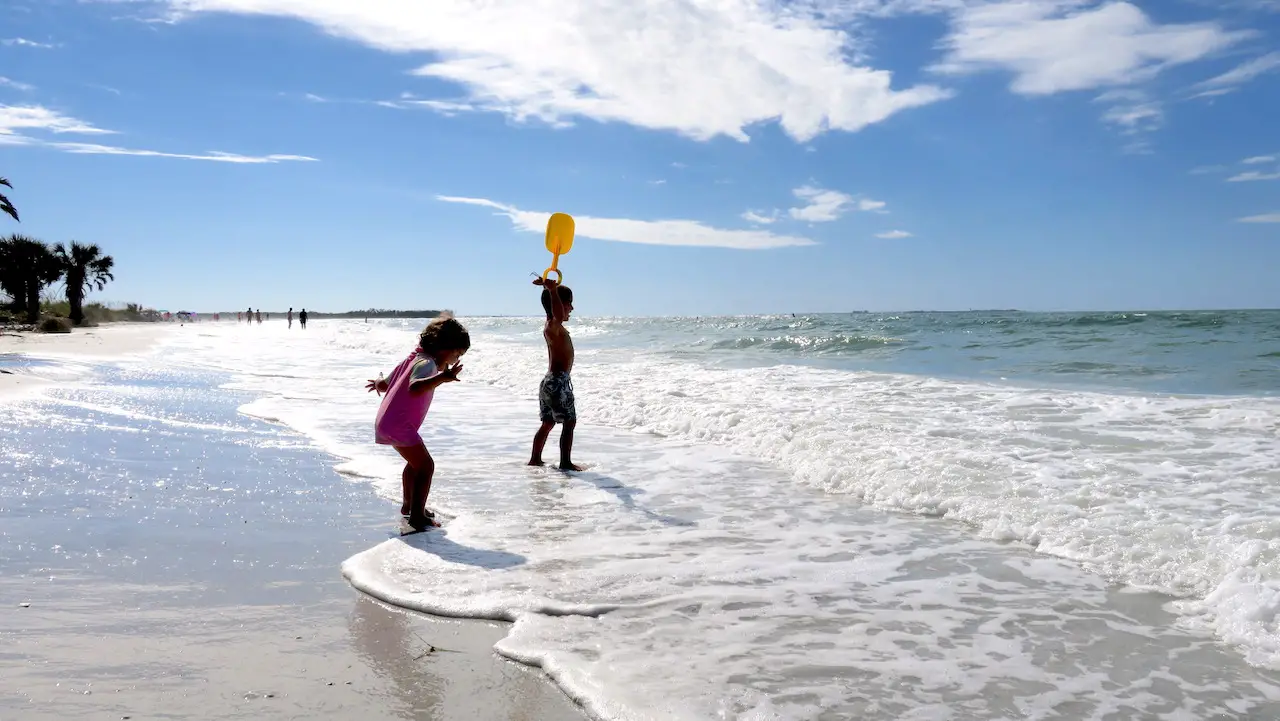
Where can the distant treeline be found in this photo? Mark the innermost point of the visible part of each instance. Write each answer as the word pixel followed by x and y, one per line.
pixel 378 313
pixel 369 313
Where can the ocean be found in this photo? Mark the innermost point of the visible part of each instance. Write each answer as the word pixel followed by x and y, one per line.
pixel 986 515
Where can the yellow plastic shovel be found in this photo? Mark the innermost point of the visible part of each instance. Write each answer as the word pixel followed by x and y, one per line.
pixel 559 241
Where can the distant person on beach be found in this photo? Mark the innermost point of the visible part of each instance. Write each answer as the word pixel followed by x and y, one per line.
pixel 555 395
pixel 302 317
pixel 409 390
pixel 258 316
pixel 290 316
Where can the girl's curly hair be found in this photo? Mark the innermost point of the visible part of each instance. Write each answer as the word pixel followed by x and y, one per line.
pixel 442 334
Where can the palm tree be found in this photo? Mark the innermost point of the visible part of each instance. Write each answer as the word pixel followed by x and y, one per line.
pixel 5 205
pixel 86 268
pixel 27 267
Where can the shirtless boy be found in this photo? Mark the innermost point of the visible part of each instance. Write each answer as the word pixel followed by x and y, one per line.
pixel 555 395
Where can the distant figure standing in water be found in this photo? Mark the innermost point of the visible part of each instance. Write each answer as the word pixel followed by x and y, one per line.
pixel 258 316
pixel 302 317
pixel 248 316
pixel 290 316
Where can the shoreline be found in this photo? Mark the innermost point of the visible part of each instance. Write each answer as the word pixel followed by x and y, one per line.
pixel 19 378
pixel 180 571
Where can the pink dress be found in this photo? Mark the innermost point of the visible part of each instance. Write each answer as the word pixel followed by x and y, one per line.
pixel 402 411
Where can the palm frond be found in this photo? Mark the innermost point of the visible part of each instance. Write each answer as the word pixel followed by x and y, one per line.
pixel 7 207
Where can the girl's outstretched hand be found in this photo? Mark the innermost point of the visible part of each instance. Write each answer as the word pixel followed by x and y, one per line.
pixel 450 374
pixel 379 385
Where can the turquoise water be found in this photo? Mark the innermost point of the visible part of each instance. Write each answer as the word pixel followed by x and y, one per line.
pixel 1199 352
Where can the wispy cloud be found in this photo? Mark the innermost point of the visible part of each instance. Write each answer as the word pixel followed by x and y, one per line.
pixel 1232 79
pixel 25 43
pixel 35 118
pixel 894 235
pixel 1253 175
pixel 648 232
pixel 21 87
pixel 752 216
pixel 1053 46
pixel 821 206
pixel 1257 175
pixel 1265 218
pixel 1208 170
pixel 1134 114
pixel 212 156
pixel 700 68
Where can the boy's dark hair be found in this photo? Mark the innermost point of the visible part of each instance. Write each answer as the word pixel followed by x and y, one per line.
pixel 566 296
pixel 444 333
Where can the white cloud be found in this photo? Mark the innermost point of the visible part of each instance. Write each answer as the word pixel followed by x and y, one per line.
pixel 40 119
pixel 36 117
pixel 212 156
pixel 894 235
pixel 1266 218
pixel 1260 159
pixel 1208 170
pixel 1053 46
pixel 21 87
pixel 1132 111
pixel 701 68
pixel 649 232
pixel 752 216
pixel 1253 175
pixel 1239 75
pixel 25 43
pixel 821 206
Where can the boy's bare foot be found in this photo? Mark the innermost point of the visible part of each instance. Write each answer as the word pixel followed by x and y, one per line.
pixel 571 467
pixel 536 462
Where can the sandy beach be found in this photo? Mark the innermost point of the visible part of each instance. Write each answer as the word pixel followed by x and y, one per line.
pixel 169 571
pixel 20 377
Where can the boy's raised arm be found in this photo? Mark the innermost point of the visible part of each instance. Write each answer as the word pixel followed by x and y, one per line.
pixel 557 306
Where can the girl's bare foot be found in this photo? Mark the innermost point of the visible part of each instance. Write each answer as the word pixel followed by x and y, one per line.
pixel 536 462
pixel 571 467
pixel 421 523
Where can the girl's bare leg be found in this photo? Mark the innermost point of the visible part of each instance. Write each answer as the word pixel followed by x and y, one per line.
pixel 424 468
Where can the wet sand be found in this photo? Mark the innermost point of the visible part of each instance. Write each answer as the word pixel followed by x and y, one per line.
pixel 19 377
pixel 154 568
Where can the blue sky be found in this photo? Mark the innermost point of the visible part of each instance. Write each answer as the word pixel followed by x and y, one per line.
pixel 726 156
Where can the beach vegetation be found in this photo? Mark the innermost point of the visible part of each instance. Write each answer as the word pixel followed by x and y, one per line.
pixel 6 207
pixel 27 267
pixel 84 267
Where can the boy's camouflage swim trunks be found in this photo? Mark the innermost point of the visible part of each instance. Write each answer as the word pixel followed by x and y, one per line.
pixel 555 399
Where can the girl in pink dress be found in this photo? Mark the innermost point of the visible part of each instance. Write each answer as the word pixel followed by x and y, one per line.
pixel 409 390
